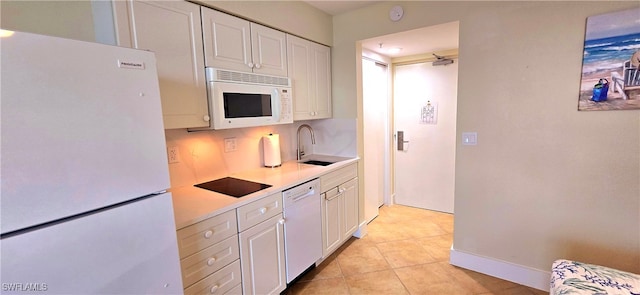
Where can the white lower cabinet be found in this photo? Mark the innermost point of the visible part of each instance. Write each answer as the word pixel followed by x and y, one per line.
pixel 261 239
pixel 223 281
pixel 209 255
pixel 350 207
pixel 339 207
pixel 331 221
pixel 262 256
pixel 242 251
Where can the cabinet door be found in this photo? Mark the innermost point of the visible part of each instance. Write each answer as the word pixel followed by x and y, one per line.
pixel 299 58
pixel 331 221
pixel 262 257
pixel 227 41
pixel 310 72
pixel 350 208
pixel 322 81
pixel 172 30
pixel 269 51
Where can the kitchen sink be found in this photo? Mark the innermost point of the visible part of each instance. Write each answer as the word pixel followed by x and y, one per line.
pixel 316 162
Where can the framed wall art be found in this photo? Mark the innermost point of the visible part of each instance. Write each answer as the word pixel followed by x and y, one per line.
pixel 611 62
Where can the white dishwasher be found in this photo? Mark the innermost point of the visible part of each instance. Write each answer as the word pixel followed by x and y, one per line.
pixel 302 227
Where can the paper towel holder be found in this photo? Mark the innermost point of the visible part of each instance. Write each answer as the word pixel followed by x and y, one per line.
pixel 271 150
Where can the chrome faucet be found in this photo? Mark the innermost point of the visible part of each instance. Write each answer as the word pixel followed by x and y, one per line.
pixel 299 151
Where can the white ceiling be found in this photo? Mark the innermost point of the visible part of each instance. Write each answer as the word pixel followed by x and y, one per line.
pixel 418 41
pixel 334 7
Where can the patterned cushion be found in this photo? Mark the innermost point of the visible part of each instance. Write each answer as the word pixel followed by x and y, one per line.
pixel 571 277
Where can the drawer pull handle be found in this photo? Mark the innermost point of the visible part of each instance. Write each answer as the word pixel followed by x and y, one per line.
pixel 208 234
pixel 211 261
pixel 263 210
pixel 214 289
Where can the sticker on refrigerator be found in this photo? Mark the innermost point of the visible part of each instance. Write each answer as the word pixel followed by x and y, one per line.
pixel 137 65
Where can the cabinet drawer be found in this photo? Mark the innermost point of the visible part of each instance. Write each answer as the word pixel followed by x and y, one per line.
pixel 220 282
pixel 259 211
pixel 338 177
pixel 209 260
pixel 203 234
pixel 235 291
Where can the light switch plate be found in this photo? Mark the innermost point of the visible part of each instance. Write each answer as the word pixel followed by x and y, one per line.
pixel 469 138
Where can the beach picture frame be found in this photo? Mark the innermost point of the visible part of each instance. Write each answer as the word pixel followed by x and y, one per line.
pixel 611 62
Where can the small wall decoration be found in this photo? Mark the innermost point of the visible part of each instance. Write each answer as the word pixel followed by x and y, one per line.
pixel 610 63
pixel 429 113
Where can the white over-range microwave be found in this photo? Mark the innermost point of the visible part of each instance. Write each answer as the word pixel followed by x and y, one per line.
pixel 238 99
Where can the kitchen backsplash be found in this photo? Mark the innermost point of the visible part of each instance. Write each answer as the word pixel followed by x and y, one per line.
pixel 202 156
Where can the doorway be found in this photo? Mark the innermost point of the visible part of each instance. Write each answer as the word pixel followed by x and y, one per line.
pixel 421 175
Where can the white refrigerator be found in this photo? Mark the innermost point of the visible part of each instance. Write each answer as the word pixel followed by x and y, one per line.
pixel 83 169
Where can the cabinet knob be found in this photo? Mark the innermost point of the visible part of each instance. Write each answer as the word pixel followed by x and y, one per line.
pixel 211 261
pixel 208 234
pixel 341 190
pixel 263 210
pixel 250 65
pixel 281 221
pixel 214 289
pixel 257 66
pixel 206 118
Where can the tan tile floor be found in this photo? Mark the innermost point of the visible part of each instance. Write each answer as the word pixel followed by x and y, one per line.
pixel 405 252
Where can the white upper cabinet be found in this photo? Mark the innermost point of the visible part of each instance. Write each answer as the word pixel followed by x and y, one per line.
pixel 232 43
pixel 172 30
pixel 310 73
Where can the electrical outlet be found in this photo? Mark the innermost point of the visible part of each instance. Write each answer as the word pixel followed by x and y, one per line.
pixel 230 145
pixel 173 154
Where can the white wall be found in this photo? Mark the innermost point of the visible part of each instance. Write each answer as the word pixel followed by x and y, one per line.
pixel 545 181
pixel 333 137
pixel 202 155
pixel 67 19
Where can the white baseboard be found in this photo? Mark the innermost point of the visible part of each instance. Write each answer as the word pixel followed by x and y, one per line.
pixel 519 274
pixel 362 230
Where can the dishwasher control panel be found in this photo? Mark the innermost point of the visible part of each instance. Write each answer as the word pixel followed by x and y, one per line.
pixel 294 194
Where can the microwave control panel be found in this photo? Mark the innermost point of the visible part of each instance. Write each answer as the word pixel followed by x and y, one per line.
pixel 286 106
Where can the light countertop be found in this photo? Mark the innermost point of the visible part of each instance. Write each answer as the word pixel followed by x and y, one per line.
pixel 192 204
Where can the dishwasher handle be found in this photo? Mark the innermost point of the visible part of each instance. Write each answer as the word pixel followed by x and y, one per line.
pixel 310 192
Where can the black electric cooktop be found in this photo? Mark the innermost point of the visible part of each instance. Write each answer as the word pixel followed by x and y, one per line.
pixel 233 186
